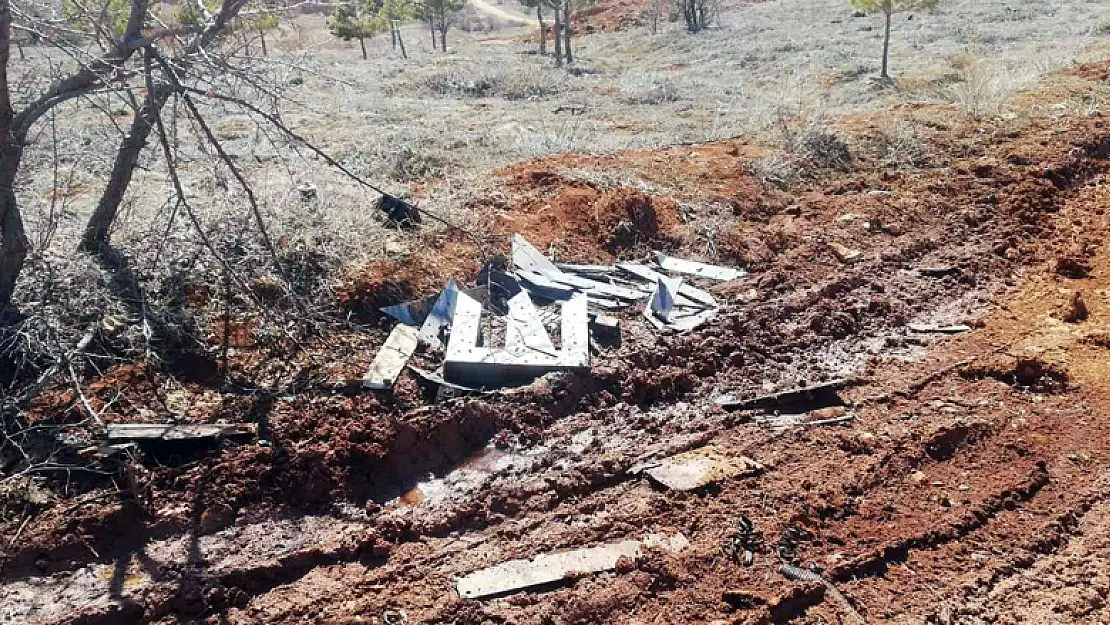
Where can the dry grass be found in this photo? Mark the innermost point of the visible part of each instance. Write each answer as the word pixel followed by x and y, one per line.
pixel 437 124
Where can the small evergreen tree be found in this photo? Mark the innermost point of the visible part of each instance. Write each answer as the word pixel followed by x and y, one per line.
pixel 357 21
pixel 889 8
pixel 395 12
pixel 262 23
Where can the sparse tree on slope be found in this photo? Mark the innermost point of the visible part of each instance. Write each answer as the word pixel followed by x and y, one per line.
pixel 539 5
pixel 889 8
pixel 357 21
pixel 262 23
pixel 395 12
pixel 440 13
pixel 697 13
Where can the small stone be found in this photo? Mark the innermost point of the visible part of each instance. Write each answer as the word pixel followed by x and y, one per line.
pixel 844 254
pixel 916 477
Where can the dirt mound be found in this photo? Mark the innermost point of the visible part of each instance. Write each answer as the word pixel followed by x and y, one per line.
pixel 614 15
pixel 1096 71
pixel 1027 371
pixel 418 273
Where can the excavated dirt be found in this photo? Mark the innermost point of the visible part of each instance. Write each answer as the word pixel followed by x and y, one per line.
pixel 971 487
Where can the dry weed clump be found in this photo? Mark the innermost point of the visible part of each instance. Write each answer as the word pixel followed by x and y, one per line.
pixel 517 83
pixel 410 165
pixel 806 146
pixel 899 145
pixel 649 88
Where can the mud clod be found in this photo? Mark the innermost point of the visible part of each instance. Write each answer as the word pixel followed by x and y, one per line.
pixel 1028 372
pixel 1078 309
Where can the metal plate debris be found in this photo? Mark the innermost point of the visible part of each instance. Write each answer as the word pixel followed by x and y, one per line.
pixel 699 468
pixel 934 329
pixel 439 317
pixel 391 358
pixel 176 432
pixel 524 331
pixel 701 270
pixel 688 295
pixel 469 364
pixel 549 568
pixel 527 257
pixel 806 397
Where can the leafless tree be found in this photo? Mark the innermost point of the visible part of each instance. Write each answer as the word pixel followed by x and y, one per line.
pixel 115 69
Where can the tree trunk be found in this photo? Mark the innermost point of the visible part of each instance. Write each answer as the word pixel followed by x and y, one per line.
pixel 262 36
pixel 99 226
pixel 558 37
pixel 443 31
pixel 393 34
pixel 543 30
pixel 432 27
pixel 655 17
pixel 401 42
pixel 362 44
pixel 13 238
pixel 886 44
pixel 567 11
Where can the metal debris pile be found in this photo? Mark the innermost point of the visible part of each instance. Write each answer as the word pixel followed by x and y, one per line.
pixel 545 317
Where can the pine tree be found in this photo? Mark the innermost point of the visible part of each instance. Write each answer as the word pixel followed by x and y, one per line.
pixel 357 21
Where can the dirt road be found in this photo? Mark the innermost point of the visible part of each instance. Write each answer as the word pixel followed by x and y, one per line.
pixel 508 16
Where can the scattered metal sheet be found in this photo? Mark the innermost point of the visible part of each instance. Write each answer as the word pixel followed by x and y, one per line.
pixel 439 317
pixel 701 270
pixel 699 468
pixel 391 358
pixel 550 568
pixel 662 301
pixel 934 329
pixel 547 287
pixel 435 377
pixel 527 257
pixel 806 397
pixel 175 432
pixel 684 320
pixel 524 331
pixel 587 270
pixel 688 295
pixel 487 367
pixel 411 313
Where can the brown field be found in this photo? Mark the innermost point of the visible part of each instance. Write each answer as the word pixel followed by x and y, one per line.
pixel 972 486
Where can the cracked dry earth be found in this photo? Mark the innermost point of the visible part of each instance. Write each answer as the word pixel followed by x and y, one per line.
pixel 972 486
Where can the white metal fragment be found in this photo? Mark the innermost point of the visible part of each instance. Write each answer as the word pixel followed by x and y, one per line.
pixel 177 432
pixel 469 364
pixel 700 467
pixel 519 575
pixel 527 257
pixel 391 358
pixel 525 331
pixel 694 268
pixel 439 317
pixel 662 301
pixel 688 295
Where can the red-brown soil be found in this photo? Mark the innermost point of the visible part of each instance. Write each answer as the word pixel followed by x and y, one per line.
pixel 972 486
